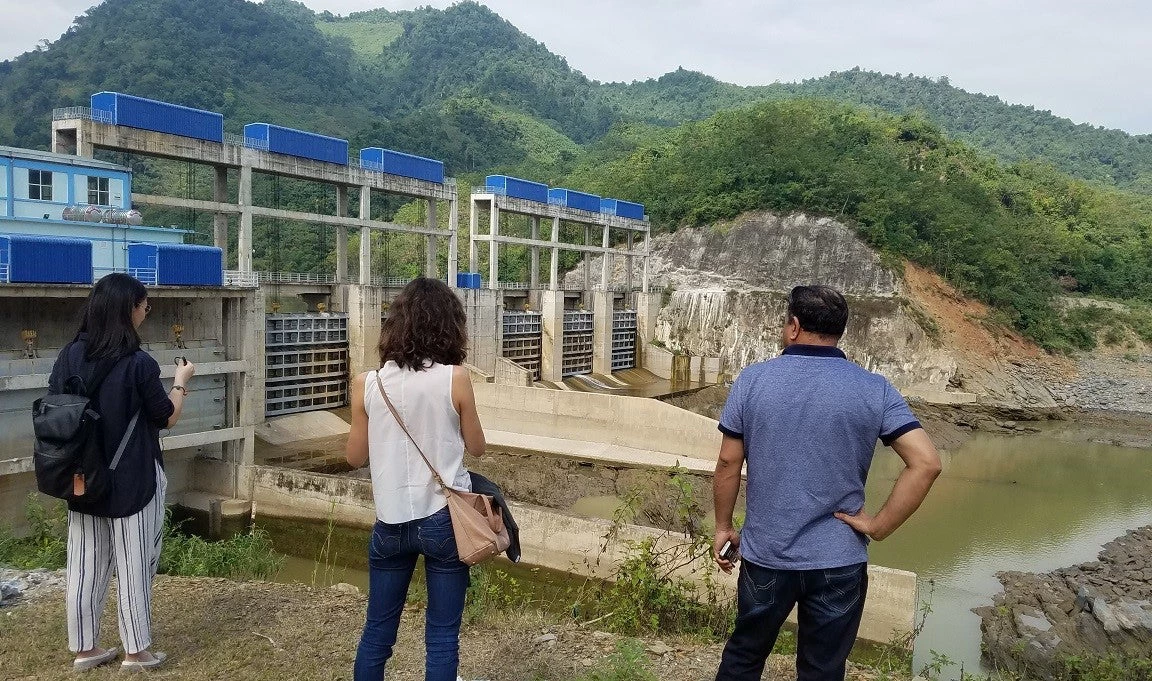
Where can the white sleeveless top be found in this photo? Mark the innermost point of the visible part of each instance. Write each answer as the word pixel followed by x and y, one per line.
pixel 402 485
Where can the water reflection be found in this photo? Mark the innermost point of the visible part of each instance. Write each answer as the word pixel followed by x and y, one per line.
pixel 1008 503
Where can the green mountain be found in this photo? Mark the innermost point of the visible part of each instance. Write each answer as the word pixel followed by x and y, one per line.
pixel 1004 200
pixel 394 70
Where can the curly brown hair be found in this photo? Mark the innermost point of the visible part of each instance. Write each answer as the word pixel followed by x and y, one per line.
pixel 425 323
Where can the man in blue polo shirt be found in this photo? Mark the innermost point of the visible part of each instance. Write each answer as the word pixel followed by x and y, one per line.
pixel 807 423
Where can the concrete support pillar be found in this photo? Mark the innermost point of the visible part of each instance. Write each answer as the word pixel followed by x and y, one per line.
pixel 243 339
pixel 220 220
pixel 341 235
pixel 534 259
pixel 63 141
pixel 552 336
pixel 602 309
pixel 554 265
pixel 628 262
pixel 244 250
pixel 365 237
pixel 606 262
pixel 494 248
pixel 473 229
pixel 365 311
pixel 431 244
pixel 647 257
pixel 647 312
pixel 482 308
pixel 453 242
pixel 587 259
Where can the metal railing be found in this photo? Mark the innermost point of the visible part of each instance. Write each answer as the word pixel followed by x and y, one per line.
pixel 241 279
pixel 146 275
pixel 295 278
pixel 69 113
pixel 513 286
pixel 5 274
pixel 391 282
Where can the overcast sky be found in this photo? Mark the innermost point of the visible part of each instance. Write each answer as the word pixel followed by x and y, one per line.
pixel 1088 61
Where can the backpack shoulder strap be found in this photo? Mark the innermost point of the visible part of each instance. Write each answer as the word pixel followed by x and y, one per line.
pixel 92 385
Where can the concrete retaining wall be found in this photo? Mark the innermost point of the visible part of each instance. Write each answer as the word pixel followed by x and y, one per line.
pixel 612 419
pixel 511 373
pixel 668 365
pixel 548 538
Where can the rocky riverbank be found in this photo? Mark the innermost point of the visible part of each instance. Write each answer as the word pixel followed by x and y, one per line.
pixel 1042 621
pixel 1120 384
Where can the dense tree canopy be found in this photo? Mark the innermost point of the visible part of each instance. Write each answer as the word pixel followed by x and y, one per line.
pixel 1006 201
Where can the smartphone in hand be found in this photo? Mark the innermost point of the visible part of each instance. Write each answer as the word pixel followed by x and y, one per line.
pixel 729 553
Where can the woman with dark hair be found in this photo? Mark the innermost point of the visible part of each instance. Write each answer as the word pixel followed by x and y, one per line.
pixel 122 528
pixel 421 351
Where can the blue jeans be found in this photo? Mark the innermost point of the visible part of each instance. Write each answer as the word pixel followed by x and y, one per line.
pixel 831 603
pixel 391 560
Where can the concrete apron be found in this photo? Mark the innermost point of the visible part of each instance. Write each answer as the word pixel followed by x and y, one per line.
pixel 548 538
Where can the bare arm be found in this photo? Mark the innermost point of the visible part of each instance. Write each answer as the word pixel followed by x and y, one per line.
pixel 921 468
pixel 356 451
pixel 464 399
pixel 177 398
pixel 725 489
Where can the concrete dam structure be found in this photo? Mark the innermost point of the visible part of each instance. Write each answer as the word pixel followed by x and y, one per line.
pixel 599 337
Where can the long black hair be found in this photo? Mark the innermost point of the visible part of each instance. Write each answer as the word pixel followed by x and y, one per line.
pixel 107 317
pixel 425 322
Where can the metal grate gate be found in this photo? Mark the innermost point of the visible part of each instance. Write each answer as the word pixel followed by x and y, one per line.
pixel 521 342
pixel 623 339
pixel 307 362
pixel 577 343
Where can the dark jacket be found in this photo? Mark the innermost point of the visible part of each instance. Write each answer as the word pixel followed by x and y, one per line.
pixel 132 384
pixel 482 485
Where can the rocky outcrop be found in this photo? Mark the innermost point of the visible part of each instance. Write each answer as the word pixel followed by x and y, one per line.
pixel 1095 609
pixel 19 585
pixel 728 286
pixel 1109 383
pixel 743 326
pixel 762 251
pixel 725 288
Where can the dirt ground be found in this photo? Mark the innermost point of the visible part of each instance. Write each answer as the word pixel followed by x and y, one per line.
pixel 242 631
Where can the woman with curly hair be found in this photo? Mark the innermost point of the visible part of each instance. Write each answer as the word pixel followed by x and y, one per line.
pixel 421 352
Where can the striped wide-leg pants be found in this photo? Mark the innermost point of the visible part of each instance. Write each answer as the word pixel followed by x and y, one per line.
pixel 130 544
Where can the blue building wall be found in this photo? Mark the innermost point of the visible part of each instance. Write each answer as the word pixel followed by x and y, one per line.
pixel 21 214
pixel 68 183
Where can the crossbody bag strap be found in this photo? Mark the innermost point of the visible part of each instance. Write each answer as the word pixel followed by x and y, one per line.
pixel 400 421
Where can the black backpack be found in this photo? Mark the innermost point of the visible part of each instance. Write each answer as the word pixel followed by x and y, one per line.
pixel 69 454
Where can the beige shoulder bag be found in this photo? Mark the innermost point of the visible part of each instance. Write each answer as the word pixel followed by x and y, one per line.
pixel 476 519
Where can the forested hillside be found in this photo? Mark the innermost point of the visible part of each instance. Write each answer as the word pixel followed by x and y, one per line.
pixel 979 190
pixel 340 75
pixel 1006 234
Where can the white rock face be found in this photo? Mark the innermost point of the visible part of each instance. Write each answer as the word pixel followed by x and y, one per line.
pixel 727 290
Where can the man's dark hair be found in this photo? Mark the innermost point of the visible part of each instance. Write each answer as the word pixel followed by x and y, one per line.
pixel 107 317
pixel 820 309
pixel 425 323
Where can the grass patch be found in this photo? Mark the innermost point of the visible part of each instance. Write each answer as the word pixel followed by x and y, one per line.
pixel 243 556
pixel 1087 327
pixel 368 38
pixel 628 663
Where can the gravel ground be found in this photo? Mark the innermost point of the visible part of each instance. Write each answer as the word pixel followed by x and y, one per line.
pixel 219 629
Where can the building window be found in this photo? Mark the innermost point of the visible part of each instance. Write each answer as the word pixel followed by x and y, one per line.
pixel 40 185
pixel 98 191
